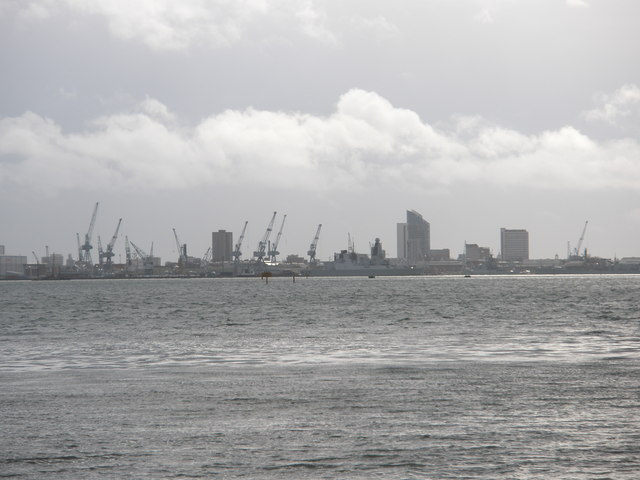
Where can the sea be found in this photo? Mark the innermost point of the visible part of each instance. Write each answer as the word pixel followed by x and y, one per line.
pixel 430 377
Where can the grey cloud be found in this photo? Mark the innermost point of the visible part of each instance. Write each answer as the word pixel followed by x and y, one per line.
pixel 363 144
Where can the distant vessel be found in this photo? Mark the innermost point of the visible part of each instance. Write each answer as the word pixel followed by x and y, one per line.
pixel 349 263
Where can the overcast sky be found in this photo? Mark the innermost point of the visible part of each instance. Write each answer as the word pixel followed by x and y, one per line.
pixel 199 115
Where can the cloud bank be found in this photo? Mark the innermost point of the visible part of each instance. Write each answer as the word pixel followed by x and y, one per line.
pixel 166 25
pixel 366 143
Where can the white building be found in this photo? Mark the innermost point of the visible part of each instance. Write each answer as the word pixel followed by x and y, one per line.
pixel 12 265
pixel 139 264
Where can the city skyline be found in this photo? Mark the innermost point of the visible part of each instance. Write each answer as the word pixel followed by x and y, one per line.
pixel 480 114
pixel 415 232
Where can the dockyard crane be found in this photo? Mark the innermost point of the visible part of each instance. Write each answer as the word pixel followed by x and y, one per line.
pixel 262 245
pixel 576 251
pixel 49 259
pixel 79 248
pixel 127 250
pixel 139 252
pixel 182 250
pixel 86 246
pixel 208 255
pixel 100 251
pixel 108 254
pixel 205 263
pixel 37 264
pixel 314 244
pixel 584 230
pixel 273 249
pixel 147 259
pixel 236 251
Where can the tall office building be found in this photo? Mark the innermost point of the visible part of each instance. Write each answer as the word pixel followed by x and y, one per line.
pixel 221 246
pixel 514 245
pixel 414 241
pixel 402 240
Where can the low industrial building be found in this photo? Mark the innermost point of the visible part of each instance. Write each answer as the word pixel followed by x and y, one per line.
pixel 12 266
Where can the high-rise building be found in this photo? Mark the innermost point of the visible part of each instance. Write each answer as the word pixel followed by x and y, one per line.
pixel 514 245
pixel 414 240
pixel 402 240
pixel 221 246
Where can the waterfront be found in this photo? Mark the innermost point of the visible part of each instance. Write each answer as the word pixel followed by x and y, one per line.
pixel 414 377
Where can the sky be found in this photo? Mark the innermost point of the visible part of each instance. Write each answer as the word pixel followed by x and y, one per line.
pixel 200 115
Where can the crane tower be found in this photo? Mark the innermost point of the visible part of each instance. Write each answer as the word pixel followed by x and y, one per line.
pixel 273 250
pixel 314 244
pixel 86 246
pixel 262 245
pixel 576 251
pixel 147 258
pixel 182 250
pixel 108 253
pixel 236 250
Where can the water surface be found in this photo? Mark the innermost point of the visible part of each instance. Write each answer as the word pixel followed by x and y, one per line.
pixel 421 377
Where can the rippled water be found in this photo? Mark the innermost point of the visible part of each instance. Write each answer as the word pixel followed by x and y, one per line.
pixel 425 377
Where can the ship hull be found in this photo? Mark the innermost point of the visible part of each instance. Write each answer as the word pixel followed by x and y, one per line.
pixel 363 272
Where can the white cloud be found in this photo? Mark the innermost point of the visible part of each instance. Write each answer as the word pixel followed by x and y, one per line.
pixel 621 108
pixel 484 16
pixel 379 25
pixel 35 10
pixel 167 25
pixel 313 23
pixel 157 110
pixel 67 94
pixel 366 143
